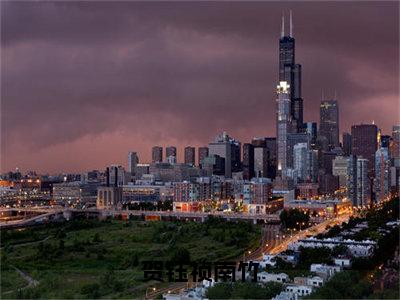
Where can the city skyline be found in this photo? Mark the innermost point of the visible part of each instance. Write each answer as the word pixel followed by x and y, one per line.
pixel 228 72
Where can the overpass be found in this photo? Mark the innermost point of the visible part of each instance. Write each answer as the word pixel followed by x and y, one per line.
pixel 46 214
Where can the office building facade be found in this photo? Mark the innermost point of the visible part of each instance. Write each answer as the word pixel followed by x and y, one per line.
pixel 190 155
pixel 365 143
pixel 156 154
pixel 329 122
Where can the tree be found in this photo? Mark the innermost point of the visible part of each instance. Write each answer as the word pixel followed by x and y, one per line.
pixel 61 245
pixel 91 290
pixel 96 238
pixel 339 250
pixel 309 256
pixel 343 285
pixel 294 218
pixel 181 255
pixel 220 291
pixel 272 289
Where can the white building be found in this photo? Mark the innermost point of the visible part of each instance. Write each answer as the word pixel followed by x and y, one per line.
pixel 267 277
pixel 340 169
pixel 325 271
pixel 343 262
pixel 315 281
pixel 267 260
pixel 357 248
pixel 286 296
pixel 260 161
pixel 299 290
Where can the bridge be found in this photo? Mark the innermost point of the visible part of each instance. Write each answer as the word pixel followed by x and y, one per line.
pixel 48 214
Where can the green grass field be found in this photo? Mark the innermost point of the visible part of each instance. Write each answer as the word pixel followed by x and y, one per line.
pixel 102 259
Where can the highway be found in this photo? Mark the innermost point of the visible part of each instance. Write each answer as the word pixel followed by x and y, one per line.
pixel 314 230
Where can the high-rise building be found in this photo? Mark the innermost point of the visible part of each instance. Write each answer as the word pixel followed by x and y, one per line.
pixel 213 165
pixel 346 143
pixel 141 169
pixel 358 183
pixel 329 122
pixel 292 140
pixel 394 151
pixel 170 151
pixel 190 155
pixel 365 143
pixel 312 165
pixel 363 183
pixel 395 144
pixel 203 153
pixel 229 149
pixel 352 179
pixel 117 175
pixel 283 126
pixel 261 161
pixel 340 169
pixel 290 72
pixel 270 143
pixel 248 161
pixel 133 160
pixel 311 129
pixel 261 157
pixel 382 169
pixel 300 160
pixel 325 162
pixel 157 154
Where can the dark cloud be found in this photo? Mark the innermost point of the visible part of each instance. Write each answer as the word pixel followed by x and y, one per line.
pixel 80 76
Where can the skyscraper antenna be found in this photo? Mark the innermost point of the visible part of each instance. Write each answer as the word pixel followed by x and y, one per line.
pixel 283 26
pixel 335 95
pixel 291 24
pixel 322 95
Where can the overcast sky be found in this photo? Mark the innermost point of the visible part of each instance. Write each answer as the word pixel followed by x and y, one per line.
pixel 83 83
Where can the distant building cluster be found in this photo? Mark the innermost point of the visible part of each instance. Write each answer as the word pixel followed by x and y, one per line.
pixel 305 160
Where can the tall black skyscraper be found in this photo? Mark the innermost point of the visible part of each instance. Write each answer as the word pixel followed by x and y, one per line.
pixel 329 122
pixel 248 161
pixel 290 72
pixel 346 143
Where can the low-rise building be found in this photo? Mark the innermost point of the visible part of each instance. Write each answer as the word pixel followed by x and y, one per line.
pixel 285 296
pixel 325 271
pixel 269 260
pixel 146 193
pixel 267 277
pixel 344 262
pixel 109 197
pixel 75 193
pixel 316 281
pixel 299 289
pixel 356 248
pixel 306 190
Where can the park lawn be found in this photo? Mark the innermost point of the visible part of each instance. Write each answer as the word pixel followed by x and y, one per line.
pixel 65 265
pixel 10 280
